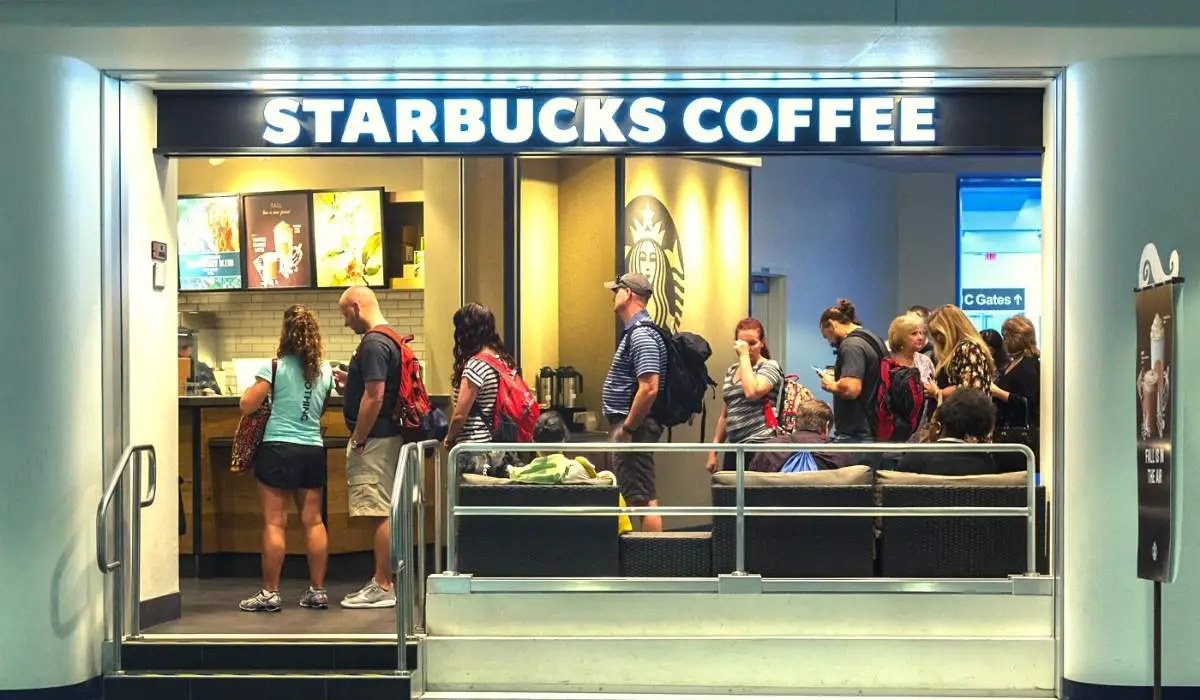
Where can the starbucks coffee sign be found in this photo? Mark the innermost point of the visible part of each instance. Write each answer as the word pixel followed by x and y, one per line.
pixel 683 121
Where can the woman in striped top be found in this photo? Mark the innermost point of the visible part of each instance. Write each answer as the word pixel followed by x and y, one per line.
pixel 749 385
pixel 475 381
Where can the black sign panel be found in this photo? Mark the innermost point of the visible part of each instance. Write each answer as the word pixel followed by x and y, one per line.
pixel 1155 374
pixel 619 121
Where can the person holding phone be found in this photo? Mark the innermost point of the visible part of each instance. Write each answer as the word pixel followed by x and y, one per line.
pixel 855 379
pixel 749 385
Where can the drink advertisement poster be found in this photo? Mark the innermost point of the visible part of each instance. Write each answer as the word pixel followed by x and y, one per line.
pixel 278 240
pixel 210 238
pixel 348 236
pixel 1155 419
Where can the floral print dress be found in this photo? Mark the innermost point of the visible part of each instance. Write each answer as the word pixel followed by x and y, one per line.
pixel 968 367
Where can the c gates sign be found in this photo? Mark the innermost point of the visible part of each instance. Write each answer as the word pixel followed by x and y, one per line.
pixel 631 121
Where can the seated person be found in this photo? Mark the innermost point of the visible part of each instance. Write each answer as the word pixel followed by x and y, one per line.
pixel 967 416
pixel 556 468
pixel 814 421
pixel 551 467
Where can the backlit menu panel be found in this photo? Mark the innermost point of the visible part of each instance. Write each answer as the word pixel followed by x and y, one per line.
pixel 278 240
pixel 348 237
pixel 209 243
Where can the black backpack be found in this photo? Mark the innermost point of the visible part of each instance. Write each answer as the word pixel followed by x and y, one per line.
pixel 681 393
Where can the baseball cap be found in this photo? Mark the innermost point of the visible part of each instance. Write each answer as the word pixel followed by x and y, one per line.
pixel 634 282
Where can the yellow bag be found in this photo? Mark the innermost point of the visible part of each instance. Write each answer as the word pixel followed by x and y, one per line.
pixel 623 523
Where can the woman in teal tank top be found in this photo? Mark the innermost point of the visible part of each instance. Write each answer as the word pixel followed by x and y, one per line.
pixel 290 463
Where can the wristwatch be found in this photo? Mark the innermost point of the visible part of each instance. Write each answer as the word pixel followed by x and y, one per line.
pixel 627 430
pixel 355 445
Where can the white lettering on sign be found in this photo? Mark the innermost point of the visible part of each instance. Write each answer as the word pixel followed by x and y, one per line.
pixel 794 114
pixel 693 115
pixel 876 123
pixel 464 121
pixel 992 300
pixel 835 114
pixel 600 120
pixel 1156 455
pixel 519 132
pixel 548 120
pixel 1154 476
pixel 596 120
pixel 366 118
pixel 916 120
pixel 763 119
pixel 282 125
pixel 415 120
pixel 646 114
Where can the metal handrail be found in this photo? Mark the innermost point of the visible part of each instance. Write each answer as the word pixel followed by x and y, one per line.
pixel 116 567
pixel 408 490
pixel 740 510
pixel 102 560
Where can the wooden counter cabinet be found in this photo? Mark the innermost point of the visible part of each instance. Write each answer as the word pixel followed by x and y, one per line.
pixel 230 518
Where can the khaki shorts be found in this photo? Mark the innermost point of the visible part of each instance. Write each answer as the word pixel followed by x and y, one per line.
pixel 371 475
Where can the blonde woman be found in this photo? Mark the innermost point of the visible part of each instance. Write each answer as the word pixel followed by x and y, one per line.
pixel 963 359
pixel 907 338
pixel 290 463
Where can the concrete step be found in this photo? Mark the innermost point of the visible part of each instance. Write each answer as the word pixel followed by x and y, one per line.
pixel 271 655
pixel 760 665
pixel 234 686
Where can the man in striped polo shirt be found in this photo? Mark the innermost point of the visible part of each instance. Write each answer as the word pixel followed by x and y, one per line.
pixel 630 389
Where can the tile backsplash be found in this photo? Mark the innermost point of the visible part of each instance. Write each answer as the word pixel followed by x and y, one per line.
pixel 247 324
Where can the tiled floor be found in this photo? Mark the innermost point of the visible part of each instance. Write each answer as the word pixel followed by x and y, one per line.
pixel 210 606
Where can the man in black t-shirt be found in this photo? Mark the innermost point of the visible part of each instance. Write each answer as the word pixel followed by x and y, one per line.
pixel 370 387
pixel 854 381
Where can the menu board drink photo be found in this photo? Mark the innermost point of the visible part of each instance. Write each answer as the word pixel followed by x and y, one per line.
pixel 210 242
pixel 278 246
pixel 348 237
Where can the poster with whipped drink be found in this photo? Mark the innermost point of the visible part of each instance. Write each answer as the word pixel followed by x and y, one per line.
pixel 210 238
pixel 348 237
pixel 1155 380
pixel 278 240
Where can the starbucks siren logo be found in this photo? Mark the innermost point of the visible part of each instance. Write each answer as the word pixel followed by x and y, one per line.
pixel 652 248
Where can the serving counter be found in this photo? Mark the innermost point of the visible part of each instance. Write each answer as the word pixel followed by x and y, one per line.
pixel 221 516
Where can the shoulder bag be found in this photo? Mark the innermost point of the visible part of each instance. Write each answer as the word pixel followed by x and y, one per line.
pixel 250 429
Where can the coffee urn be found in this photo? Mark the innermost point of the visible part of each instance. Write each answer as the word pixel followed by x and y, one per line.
pixel 547 387
pixel 570 386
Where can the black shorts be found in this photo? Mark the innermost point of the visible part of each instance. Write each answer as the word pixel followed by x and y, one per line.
pixel 287 466
pixel 635 470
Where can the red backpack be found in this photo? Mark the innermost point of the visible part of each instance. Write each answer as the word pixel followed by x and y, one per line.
pixel 517 409
pixel 412 401
pixel 899 398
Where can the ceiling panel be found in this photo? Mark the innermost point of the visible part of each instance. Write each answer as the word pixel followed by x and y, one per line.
pixel 591 48
pixel 140 13
pixel 1046 13
pixel 449 48
pixel 1027 47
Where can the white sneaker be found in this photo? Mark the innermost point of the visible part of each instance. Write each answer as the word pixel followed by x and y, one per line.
pixel 371 595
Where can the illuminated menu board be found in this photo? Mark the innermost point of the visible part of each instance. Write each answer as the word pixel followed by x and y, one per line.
pixel 348 237
pixel 210 243
pixel 278 251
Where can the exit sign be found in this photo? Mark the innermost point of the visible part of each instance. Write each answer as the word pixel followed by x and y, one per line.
pixel 1011 299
